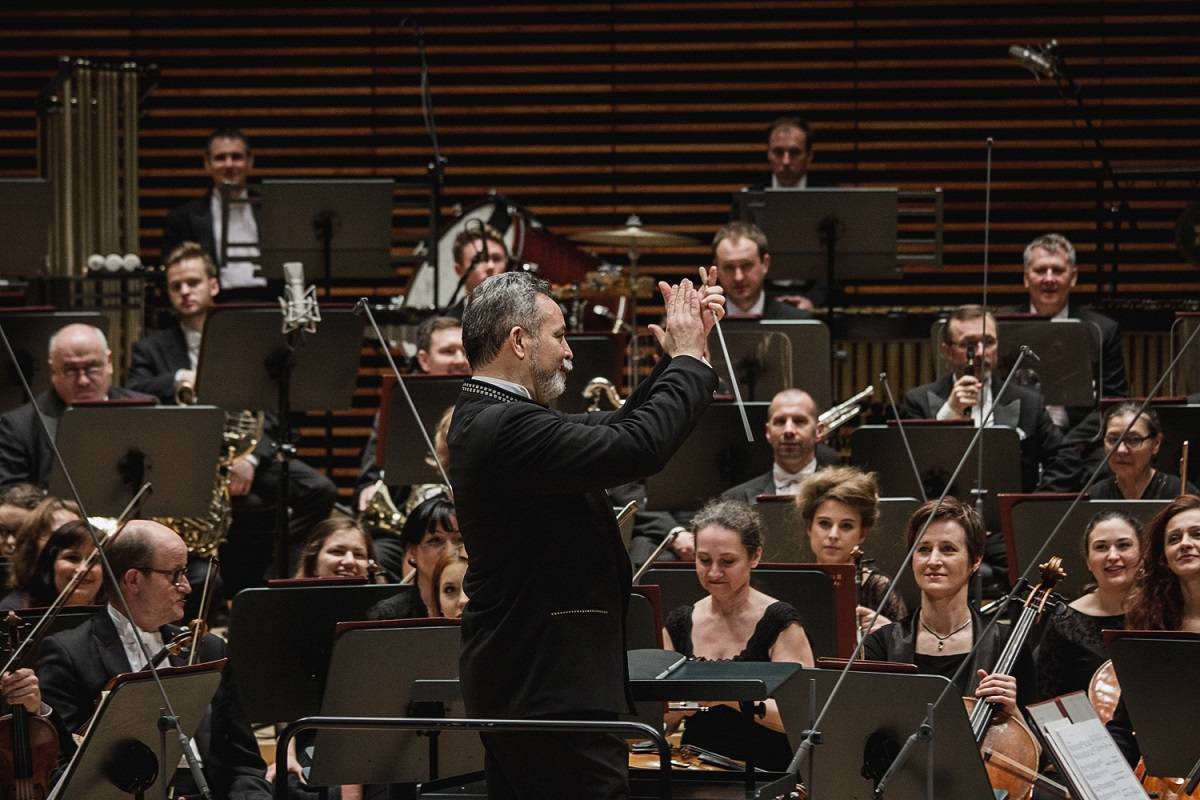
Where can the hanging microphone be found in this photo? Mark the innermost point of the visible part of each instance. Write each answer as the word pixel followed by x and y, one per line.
pixel 1038 60
pixel 299 305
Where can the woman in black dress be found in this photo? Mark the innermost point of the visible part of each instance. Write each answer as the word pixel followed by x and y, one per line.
pixel 1134 476
pixel 739 623
pixel 839 506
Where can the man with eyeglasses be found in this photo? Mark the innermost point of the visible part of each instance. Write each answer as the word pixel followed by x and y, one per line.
pixel 81 371
pixel 969 394
pixel 150 562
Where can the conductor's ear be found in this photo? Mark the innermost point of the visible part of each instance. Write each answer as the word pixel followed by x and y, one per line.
pixel 517 339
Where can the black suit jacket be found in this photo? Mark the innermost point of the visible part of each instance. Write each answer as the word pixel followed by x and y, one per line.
pixel 1112 381
pixel 74 666
pixel 1021 408
pixel 25 453
pixel 549 577
pixel 193 222
pixel 773 309
pixel 765 484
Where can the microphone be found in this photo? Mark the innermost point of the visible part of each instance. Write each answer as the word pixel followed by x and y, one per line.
pixel 1038 60
pixel 299 305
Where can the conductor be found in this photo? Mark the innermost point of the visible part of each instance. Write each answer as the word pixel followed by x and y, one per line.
pixel 549 579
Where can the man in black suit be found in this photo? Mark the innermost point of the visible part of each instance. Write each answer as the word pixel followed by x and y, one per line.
pixel 74 666
pixel 228 161
pixel 742 259
pixel 165 360
pixel 794 435
pixel 81 370
pixel 549 579
pixel 960 395
pixel 789 152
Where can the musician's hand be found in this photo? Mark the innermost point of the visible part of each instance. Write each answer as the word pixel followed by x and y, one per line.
pixel 241 475
pixel 964 394
pixel 684 546
pixel 21 688
pixel 865 617
pixel 293 766
pixel 797 300
pixel 685 334
pixel 712 300
pixel 366 495
pixel 1000 690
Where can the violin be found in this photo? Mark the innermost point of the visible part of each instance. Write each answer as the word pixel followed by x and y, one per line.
pixel 28 744
pixel 1010 750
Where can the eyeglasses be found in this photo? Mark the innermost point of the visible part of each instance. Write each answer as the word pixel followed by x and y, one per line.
pixel 92 371
pixel 972 343
pixel 1132 441
pixel 177 577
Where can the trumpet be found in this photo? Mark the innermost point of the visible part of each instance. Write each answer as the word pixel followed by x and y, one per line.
pixel 837 416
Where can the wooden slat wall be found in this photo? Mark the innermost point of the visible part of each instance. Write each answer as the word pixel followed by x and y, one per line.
pixel 586 112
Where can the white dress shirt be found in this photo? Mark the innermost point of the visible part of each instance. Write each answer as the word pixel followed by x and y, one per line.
pixel 733 311
pixel 789 482
pixel 978 411
pixel 127 633
pixel 238 271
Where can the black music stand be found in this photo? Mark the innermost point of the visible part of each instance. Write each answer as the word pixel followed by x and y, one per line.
pixel 1185 380
pixel 280 640
pixel 247 362
pixel 111 449
pixel 400 451
pixel 786 541
pixel 884 709
pixel 29 332
pixel 27 208
pixel 597 355
pixel 824 596
pixel 770 355
pixel 1179 422
pixel 1028 519
pixel 937 449
pixel 425 650
pixel 1063 378
pixel 1152 666
pixel 345 226
pixel 126 728
pixel 714 457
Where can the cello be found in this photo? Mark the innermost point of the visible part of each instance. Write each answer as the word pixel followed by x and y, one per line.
pixel 28 744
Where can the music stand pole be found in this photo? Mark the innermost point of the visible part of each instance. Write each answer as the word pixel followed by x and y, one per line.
pixel 828 230
pixel 284 453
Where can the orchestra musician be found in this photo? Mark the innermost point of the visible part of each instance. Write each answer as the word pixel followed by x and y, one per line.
pixel 1134 476
pixel 430 531
pixel 1072 645
pixel 742 258
pixel 448 581
pixel 735 622
pixel 167 359
pixel 81 371
pixel 17 502
pixel 476 258
pixel 1165 594
pixel 336 548
pixel 228 162
pixel 549 579
pixel 65 554
pixel 941 633
pixel 839 506
pixel 48 516
pixel 150 562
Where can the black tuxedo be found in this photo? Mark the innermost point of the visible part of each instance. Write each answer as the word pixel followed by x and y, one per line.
pixel 765 484
pixel 1021 408
pixel 25 452
pixel 193 222
pixel 74 666
pixel 156 358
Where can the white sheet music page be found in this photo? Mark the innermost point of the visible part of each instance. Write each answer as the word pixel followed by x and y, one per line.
pixel 1089 754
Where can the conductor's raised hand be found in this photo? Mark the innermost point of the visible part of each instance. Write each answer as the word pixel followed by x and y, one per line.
pixel 685 334
pixel 712 299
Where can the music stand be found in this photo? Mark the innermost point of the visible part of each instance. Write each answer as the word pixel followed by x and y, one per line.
pixel 597 355
pixel 400 450
pixel 1152 666
pixel 112 448
pixel 937 448
pixel 26 206
pixel 1028 519
pixel 786 541
pixel 770 355
pixel 280 642
pixel 886 708
pixel 1179 422
pixel 414 650
pixel 343 225
pixel 714 457
pixel 128 716
pixel 1063 378
pixel 823 594
pixel 1185 380
pixel 29 332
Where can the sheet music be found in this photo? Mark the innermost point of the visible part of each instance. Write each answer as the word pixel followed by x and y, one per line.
pixel 1091 758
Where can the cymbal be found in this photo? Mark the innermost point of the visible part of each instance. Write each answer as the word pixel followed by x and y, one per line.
pixel 632 235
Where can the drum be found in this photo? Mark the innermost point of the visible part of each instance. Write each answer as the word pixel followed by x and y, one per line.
pixel 528 242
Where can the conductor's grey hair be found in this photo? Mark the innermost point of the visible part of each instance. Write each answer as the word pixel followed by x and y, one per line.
pixel 499 304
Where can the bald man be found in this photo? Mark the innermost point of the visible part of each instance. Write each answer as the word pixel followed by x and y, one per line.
pixel 81 370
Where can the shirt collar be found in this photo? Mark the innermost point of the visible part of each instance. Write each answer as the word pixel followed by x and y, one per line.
pixel 755 310
pixel 508 386
pixel 126 632
pixel 803 184
pixel 1063 313
pixel 786 481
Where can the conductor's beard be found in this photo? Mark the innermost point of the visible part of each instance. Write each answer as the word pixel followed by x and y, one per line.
pixel 551 383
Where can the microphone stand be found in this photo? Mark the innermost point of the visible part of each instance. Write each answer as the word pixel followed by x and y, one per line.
pixel 169 718
pixel 435 169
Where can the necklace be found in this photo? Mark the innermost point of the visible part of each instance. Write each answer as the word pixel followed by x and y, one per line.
pixel 941 640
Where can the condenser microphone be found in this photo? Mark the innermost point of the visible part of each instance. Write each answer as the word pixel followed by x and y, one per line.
pixel 299 305
pixel 1038 60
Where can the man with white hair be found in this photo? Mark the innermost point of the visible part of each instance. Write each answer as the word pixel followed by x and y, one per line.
pixel 81 371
